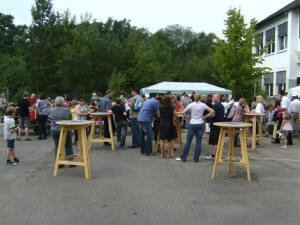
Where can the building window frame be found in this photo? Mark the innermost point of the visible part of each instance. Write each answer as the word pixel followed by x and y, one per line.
pixel 282 36
pixel 270 37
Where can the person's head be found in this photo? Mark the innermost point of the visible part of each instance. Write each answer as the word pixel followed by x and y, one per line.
pixel 197 97
pixel 42 96
pixel 203 98
pixel 193 93
pixel 81 101
pixel 158 99
pixel 10 111
pixel 173 99
pixel 166 101
pixel 59 101
pixel 134 92
pixel 94 94
pixel 259 99
pixel 242 101
pixel 286 116
pixel 25 95
pixel 109 93
pixel 3 95
pixel 281 93
pixel 118 101
pixel 33 96
pixel 271 107
pixel 178 98
pixel 73 103
pixel 216 98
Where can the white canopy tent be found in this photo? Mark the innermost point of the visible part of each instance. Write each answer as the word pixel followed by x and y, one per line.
pixel 294 91
pixel 187 87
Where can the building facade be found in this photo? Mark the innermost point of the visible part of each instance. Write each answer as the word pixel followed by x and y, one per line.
pixel 282 30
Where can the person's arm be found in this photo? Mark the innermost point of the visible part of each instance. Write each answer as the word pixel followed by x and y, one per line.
pixel 246 109
pixel 282 125
pixel 210 113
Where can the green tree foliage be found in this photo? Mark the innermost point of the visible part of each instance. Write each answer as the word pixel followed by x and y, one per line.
pixel 57 53
pixel 238 67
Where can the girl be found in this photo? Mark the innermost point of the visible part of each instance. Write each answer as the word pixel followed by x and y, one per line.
pixel 286 129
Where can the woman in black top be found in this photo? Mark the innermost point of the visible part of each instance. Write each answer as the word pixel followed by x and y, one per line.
pixel 166 127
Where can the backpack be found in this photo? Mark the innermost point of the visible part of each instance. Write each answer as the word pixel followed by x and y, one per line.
pixel 231 111
pixel 137 105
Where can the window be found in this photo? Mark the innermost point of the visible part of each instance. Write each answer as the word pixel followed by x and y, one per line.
pixel 270 40
pixel 260 44
pixel 282 36
pixel 268 83
pixel 281 81
pixel 299 26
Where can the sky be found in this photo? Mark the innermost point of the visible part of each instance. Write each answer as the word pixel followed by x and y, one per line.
pixel 200 15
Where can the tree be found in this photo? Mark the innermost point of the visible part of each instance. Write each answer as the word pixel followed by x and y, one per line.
pixel 238 67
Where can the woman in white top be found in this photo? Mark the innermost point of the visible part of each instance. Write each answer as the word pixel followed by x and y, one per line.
pixel 196 127
pixel 259 106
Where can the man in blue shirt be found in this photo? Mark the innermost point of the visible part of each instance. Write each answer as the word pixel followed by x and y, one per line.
pixel 149 109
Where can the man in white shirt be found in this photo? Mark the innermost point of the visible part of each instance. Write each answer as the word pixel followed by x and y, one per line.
pixel 295 105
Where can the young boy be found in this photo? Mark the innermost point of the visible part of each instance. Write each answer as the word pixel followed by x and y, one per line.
pixel 10 135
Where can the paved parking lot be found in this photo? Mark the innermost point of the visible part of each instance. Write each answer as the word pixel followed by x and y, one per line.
pixel 127 189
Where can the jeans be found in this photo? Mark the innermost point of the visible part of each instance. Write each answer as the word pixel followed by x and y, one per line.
pixel 197 130
pixel 42 126
pixel 146 132
pixel 56 135
pixel 135 132
pixel 121 132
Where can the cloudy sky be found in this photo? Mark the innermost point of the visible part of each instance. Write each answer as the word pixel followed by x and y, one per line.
pixel 200 15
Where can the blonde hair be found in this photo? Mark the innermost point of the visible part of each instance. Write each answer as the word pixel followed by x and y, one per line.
pixel 260 99
pixel 197 97
pixel 242 101
pixel 10 111
pixel 203 98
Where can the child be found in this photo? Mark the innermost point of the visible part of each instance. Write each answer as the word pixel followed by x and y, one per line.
pixel 121 120
pixel 10 135
pixel 286 129
pixel 270 122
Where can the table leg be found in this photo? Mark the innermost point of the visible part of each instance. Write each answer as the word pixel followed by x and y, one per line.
pixel 254 133
pixel 231 149
pixel 60 149
pixel 245 159
pixel 92 134
pixel 260 135
pixel 85 153
pixel 79 144
pixel 111 133
pixel 218 157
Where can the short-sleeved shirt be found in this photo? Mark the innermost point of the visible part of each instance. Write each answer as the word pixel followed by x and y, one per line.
pixel 105 104
pixel 9 123
pixel 286 103
pixel 119 113
pixel 44 107
pixel 259 108
pixel 219 112
pixel 197 109
pixel 186 102
pixel 31 100
pixel 57 114
pixel 3 102
pixel 24 105
pixel 178 106
pixel 149 109
pixel 295 105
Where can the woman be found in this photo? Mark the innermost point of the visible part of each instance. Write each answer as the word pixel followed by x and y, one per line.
pixel 81 110
pixel 166 114
pixel 196 127
pixel 259 108
pixel 156 121
pixel 43 108
pixel 240 110
pixel 60 113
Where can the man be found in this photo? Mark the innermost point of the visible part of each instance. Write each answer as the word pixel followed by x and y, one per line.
pixel 24 106
pixel 295 105
pixel 218 116
pixel 95 98
pixel 105 106
pixel 285 106
pixel 185 102
pixel 193 96
pixel 149 109
pixel 133 114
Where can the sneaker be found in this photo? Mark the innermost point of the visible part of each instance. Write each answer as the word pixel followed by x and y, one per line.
pixel 178 159
pixel 284 147
pixel 16 160
pixel 10 163
pixel 211 157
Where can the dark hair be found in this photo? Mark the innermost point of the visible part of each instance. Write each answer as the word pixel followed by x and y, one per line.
pixel 166 101
pixel 108 92
pixel 282 92
pixel 10 110
pixel 158 98
pixel 118 101
pixel 81 97
pixel 134 90
pixel 42 96
pixel 25 94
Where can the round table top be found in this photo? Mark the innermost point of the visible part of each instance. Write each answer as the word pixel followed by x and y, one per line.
pixel 100 114
pixel 233 124
pixel 254 114
pixel 74 122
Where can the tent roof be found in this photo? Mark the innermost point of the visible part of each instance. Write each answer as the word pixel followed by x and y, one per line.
pixel 187 87
pixel 294 91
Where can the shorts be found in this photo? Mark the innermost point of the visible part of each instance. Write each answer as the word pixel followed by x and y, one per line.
pixel 25 122
pixel 214 135
pixel 11 144
pixel 285 133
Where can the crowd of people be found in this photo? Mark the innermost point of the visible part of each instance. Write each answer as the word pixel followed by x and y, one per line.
pixel 153 119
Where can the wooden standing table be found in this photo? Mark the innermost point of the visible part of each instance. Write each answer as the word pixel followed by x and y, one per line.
pixel 61 159
pixel 100 116
pixel 255 117
pixel 232 128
